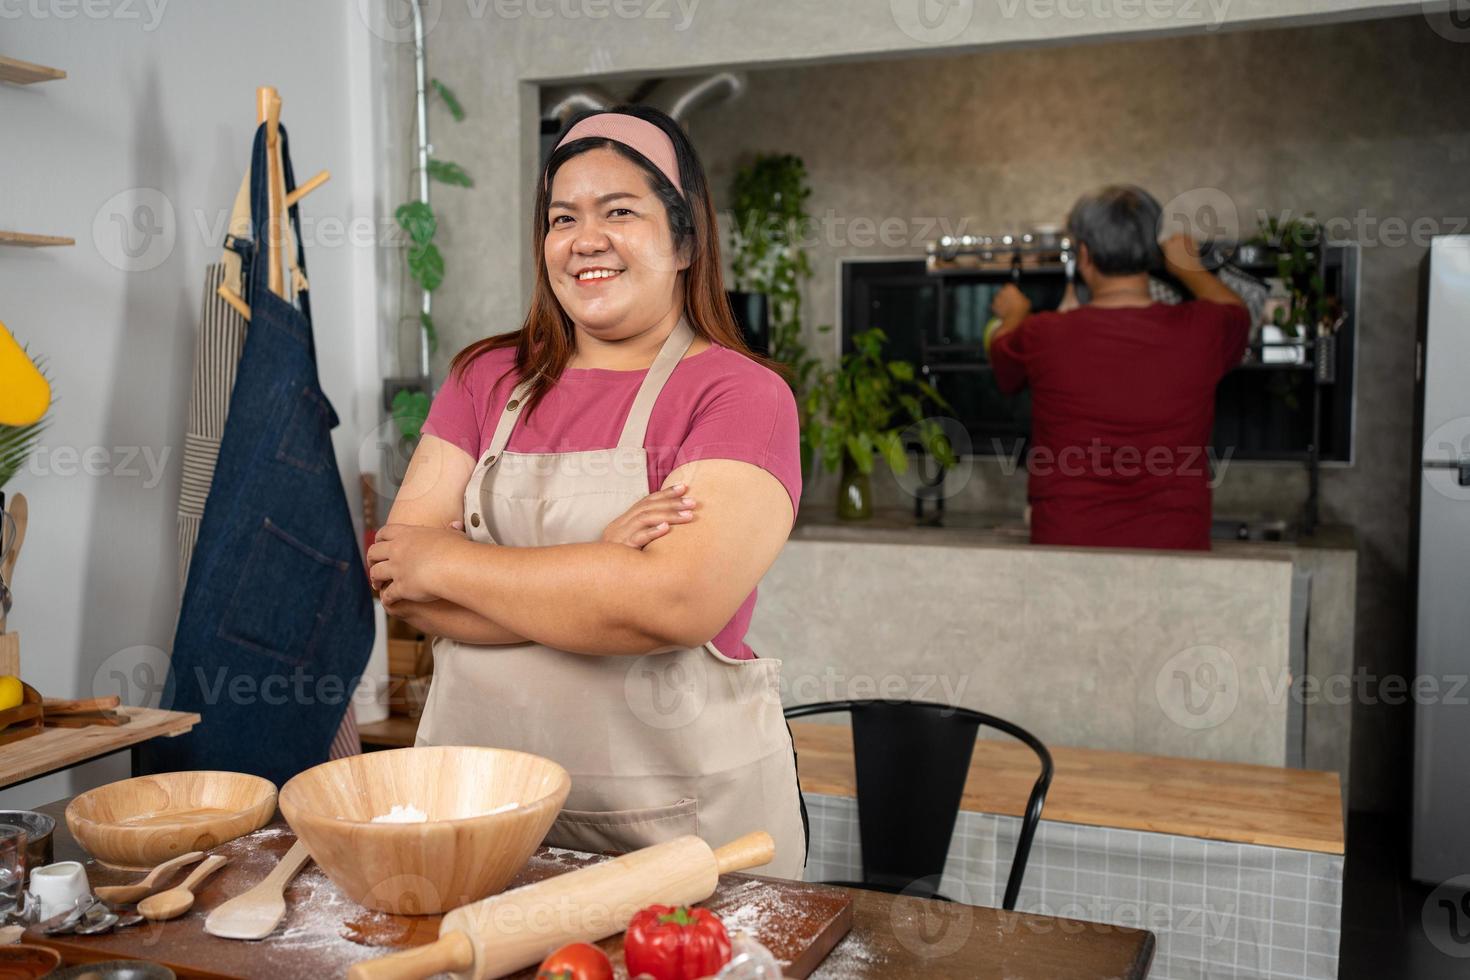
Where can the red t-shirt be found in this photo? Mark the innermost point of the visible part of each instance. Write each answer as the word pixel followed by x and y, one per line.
pixel 717 404
pixel 1123 410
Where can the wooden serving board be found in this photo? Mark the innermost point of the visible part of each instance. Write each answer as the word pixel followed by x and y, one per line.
pixel 324 933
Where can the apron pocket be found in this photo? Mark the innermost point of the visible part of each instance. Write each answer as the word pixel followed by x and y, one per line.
pixel 600 831
pixel 285 624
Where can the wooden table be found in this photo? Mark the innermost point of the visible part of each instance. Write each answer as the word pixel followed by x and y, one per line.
pixel 892 937
pixel 60 748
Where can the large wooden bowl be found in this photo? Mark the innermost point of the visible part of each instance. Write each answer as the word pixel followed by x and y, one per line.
pixel 138 823
pixel 460 854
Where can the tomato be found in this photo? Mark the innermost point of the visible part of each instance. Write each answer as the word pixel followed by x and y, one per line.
pixel 675 943
pixel 576 961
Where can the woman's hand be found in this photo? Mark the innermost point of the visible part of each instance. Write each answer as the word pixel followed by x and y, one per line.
pixel 651 517
pixel 404 557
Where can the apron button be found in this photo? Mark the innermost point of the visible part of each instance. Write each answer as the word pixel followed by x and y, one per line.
pixel 474 520
pixel 515 403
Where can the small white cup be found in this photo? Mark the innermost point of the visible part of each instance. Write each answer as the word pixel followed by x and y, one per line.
pixel 56 888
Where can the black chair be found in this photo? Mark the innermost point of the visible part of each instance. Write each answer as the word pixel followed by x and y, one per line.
pixel 912 759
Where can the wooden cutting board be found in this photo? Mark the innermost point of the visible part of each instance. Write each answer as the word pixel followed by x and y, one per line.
pixel 324 933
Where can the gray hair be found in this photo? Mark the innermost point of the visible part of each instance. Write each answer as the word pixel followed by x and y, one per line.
pixel 1120 227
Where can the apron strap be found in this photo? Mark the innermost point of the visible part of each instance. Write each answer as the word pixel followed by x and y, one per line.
pixel 507 422
pixel 673 350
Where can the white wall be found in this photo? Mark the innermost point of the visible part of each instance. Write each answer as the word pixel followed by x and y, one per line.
pixel 159 96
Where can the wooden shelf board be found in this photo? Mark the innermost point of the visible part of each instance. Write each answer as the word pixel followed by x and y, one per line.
pixel 26 240
pixel 393 732
pixel 57 748
pixel 1298 809
pixel 19 72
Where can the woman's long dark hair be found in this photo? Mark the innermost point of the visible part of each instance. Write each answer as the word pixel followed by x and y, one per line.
pixel 546 340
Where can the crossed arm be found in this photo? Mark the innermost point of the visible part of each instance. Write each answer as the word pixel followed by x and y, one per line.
pixel 599 597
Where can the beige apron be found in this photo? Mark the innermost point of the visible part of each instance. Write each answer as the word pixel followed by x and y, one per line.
pixel 687 742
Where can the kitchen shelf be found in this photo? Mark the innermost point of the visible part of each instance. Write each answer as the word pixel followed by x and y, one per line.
pixel 19 72
pixel 27 240
pixel 61 748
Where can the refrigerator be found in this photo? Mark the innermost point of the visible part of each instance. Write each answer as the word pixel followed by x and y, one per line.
pixel 1441 537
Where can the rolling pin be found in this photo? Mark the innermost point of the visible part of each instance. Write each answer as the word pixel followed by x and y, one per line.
pixel 519 928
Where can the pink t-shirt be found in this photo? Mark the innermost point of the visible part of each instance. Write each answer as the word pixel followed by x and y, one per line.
pixel 717 404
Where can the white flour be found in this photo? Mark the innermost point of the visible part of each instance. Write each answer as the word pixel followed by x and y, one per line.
pixel 408 813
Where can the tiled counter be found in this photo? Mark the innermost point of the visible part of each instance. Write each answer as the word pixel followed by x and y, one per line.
pixel 1237 869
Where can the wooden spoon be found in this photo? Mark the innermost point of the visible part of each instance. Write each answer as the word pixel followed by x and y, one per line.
pixel 180 899
pixel 126 894
pixel 254 914
pixel 19 512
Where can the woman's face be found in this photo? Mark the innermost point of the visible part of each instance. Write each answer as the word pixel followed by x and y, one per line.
pixel 609 252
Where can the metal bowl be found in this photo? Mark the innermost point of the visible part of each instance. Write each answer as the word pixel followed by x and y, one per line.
pixel 38 828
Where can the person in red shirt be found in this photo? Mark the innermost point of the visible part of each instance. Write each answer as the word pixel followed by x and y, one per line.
pixel 1122 388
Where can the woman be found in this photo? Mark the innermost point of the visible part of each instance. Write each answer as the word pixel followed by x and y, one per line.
pixel 584 618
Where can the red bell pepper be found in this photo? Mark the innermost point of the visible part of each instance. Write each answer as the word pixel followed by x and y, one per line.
pixel 668 943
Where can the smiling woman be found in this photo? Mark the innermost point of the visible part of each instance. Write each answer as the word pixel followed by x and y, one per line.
pixel 592 611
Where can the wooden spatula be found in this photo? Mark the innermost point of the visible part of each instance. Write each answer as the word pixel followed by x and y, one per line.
pixel 125 894
pixel 256 913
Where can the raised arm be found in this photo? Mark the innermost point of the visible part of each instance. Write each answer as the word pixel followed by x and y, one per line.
pixel 602 598
pixel 1181 258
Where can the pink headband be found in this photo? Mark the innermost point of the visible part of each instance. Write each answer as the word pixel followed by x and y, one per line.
pixel 640 134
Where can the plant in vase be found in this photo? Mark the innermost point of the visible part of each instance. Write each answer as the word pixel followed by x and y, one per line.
pixel 850 420
pixel 770 267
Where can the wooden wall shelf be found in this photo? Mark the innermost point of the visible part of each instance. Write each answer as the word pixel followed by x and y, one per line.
pixel 24 73
pixel 26 240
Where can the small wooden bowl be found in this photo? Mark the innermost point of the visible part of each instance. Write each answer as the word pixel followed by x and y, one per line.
pixel 21 960
pixel 460 855
pixel 23 720
pixel 138 823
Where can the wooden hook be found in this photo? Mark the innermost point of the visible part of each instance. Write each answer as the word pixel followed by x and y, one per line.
pixel 307 188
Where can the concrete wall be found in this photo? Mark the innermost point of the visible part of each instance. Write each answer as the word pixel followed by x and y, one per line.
pixel 1336 120
pixel 158 113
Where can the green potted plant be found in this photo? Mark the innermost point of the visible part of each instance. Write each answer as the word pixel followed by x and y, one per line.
pixel 769 266
pixel 850 419
pixel 1297 244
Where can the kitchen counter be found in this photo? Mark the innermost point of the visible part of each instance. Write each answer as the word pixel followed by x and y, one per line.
pixel 892 936
pixel 1167 653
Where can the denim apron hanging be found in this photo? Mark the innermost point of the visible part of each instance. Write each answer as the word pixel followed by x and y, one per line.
pixel 277 622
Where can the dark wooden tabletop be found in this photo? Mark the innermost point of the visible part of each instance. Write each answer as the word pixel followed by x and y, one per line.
pixel 892 936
